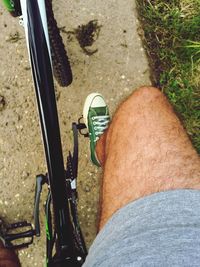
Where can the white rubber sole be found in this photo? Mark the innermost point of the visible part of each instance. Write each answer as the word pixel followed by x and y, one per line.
pixel 87 105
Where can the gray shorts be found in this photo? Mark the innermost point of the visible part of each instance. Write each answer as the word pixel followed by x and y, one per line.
pixel 159 230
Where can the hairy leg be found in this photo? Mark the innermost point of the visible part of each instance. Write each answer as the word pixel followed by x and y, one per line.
pixel 8 257
pixel 145 150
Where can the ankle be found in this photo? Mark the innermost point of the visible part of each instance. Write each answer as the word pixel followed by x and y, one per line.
pixel 100 148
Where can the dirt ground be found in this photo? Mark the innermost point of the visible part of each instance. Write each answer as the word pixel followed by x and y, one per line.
pixel 117 67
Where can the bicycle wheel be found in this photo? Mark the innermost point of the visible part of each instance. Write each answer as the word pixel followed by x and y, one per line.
pixel 61 66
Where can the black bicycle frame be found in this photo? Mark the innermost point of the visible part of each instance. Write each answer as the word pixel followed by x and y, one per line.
pixel 64 232
pixel 46 101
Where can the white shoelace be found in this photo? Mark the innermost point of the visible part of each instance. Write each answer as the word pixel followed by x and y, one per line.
pixel 100 125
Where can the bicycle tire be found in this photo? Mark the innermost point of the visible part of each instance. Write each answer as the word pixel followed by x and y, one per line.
pixel 61 66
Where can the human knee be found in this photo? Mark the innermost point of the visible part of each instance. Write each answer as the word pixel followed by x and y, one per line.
pixel 146 94
pixel 148 90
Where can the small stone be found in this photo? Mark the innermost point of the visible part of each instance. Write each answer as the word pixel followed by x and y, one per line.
pixel 87 188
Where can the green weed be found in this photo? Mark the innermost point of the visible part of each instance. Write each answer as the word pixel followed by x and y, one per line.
pixel 172 39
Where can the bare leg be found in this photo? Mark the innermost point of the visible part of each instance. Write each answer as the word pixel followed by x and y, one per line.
pixel 144 151
pixel 8 258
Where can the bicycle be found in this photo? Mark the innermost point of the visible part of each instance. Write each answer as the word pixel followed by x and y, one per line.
pixel 65 244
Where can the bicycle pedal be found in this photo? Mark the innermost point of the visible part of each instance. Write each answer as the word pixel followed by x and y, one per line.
pixel 19 235
pixel 81 126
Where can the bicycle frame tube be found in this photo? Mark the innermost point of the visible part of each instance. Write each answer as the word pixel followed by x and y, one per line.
pixel 42 12
pixel 34 19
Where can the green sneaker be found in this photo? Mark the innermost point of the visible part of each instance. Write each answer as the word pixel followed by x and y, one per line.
pixel 96 118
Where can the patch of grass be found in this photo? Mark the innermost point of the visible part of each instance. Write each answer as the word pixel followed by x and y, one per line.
pixel 172 38
pixel 14 38
pixel 87 35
